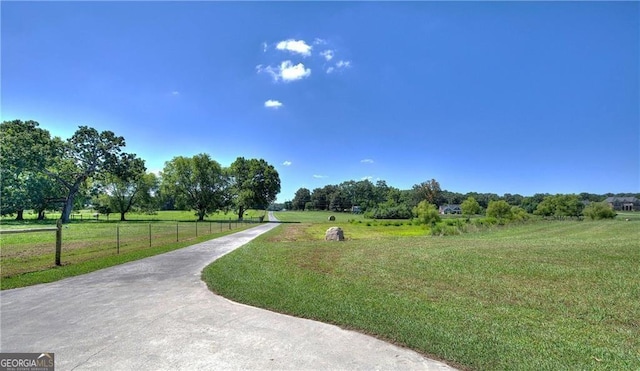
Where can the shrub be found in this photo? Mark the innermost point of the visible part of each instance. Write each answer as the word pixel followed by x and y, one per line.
pixel 599 210
pixel 470 206
pixel 426 213
pixel 500 210
pixel 444 229
pixel 519 214
pixel 389 212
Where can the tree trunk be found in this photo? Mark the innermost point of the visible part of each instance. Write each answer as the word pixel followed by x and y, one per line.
pixel 122 219
pixel 68 204
pixel 201 215
pixel 41 215
pixel 20 215
pixel 240 212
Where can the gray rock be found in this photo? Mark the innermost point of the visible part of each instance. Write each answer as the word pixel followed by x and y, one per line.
pixel 334 234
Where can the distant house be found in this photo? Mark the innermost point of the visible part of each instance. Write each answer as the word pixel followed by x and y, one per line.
pixel 450 209
pixel 623 203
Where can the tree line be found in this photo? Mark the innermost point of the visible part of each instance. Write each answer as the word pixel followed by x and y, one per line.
pixel 40 172
pixel 381 201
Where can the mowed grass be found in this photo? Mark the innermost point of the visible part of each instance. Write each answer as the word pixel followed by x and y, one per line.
pixel 29 258
pixel 561 295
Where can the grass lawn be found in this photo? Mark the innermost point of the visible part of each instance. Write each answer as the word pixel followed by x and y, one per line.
pixel 544 296
pixel 89 244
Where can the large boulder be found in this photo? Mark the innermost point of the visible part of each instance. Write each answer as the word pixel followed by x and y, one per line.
pixel 334 234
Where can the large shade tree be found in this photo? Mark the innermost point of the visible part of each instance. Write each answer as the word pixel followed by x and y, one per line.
pixel 126 185
pixel 25 149
pixel 88 153
pixel 197 182
pixel 254 184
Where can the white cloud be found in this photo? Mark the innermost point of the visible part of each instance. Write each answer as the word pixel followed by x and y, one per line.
pixel 175 92
pixel 319 176
pixel 264 47
pixel 319 41
pixel 295 46
pixel 367 178
pixel 343 64
pixel 286 163
pixel 330 69
pixel 287 71
pixel 367 161
pixel 327 54
pixel 273 104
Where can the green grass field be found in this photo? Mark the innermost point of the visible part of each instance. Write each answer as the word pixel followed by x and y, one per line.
pixel 549 295
pixel 90 244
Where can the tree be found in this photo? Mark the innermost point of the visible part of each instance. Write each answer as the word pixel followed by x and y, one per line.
pixel 499 209
pixel 470 206
pixel 547 207
pixel 25 149
pixel 428 191
pixel 254 184
pixel 125 184
pixel 560 206
pixel 426 213
pixel 86 154
pixel 301 198
pixel 599 210
pixel 44 193
pixel 198 183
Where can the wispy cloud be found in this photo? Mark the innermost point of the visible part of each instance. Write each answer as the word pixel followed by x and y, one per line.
pixel 287 71
pixel 367 178
pixel 175 92
pixel 272 104
pixel 319 176
pixel 367 161
pixel 286 163
pixel 264 47
pixel 327 54
pixel 343 64
pixel 295 46
pixel 339 65
pixel 319 41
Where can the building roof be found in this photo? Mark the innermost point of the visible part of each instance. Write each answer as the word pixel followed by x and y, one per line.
pixel 621 199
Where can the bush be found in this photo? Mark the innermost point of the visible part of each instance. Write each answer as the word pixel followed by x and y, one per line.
pixel 426 213
pixel 389 212
pixel 519 214
pixel 599 210
pixel 445 229
pixel 500 210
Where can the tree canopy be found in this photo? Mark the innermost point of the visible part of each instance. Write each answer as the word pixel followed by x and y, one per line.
pixel 198 182
pixel 254 184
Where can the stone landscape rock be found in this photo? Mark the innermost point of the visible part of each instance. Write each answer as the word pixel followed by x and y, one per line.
pixel 334 234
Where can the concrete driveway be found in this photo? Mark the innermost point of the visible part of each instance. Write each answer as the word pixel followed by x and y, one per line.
pixel 156 314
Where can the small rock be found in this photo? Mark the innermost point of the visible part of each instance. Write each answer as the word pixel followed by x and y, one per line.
pixel 332 218
pixel 334 234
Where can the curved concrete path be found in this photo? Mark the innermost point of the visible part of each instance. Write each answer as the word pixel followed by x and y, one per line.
pixel 156 314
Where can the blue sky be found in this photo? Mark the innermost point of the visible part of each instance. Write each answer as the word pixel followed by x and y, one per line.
pixel 502 97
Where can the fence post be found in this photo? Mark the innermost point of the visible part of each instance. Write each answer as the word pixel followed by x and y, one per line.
pixel 118 238
pixel 176 231
pixel 149 234
pixel 196 228
pixel 58 241
pixel 209 227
